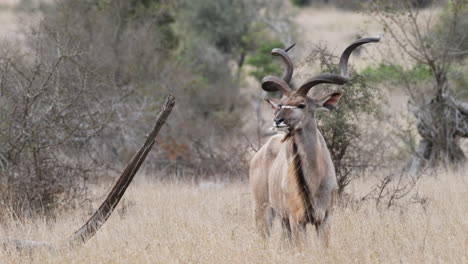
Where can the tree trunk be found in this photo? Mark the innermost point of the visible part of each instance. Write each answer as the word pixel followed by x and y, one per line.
pixel 441 123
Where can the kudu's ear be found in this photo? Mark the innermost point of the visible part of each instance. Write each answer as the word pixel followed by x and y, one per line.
pixel 329 101
pixel 273 102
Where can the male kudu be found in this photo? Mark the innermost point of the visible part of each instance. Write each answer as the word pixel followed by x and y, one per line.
pixel 292 176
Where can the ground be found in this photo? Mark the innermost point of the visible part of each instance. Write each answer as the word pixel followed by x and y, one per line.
pixel 176 222
pixel 212 222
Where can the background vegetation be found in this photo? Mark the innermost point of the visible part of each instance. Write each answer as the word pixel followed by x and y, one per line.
pixel 81 86
pixel 110 63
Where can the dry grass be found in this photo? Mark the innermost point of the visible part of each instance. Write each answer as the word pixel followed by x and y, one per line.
pixel 175 222
pixel 212 223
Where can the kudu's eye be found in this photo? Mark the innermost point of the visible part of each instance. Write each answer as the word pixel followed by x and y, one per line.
pixel 301 106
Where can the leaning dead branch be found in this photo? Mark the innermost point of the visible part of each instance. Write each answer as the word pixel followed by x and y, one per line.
pixel 90 228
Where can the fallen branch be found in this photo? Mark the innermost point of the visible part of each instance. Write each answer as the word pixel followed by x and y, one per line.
pixel 90 228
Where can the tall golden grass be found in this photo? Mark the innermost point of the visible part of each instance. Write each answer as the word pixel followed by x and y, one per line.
pixel 179 222
pixel 176 222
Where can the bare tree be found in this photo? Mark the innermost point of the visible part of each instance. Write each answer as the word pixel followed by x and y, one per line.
pixel 435 43
pixel 48 119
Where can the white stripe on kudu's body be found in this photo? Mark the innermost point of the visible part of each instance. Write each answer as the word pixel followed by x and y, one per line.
pixel 292 176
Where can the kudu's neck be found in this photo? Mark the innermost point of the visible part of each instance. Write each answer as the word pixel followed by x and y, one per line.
pixel 309 150
pixel 307 141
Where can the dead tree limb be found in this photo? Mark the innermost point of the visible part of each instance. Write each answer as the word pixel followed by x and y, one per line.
pixel 441 123
pixel 90 228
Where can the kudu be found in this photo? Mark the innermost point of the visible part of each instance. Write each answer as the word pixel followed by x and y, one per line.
pixel 292 176
pixel 97 220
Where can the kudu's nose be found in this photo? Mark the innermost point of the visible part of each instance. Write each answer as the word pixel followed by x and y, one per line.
pixel 278 121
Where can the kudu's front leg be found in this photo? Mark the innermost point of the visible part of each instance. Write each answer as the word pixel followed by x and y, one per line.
pixel 324 229
pixel 263 219
pixel 298 232
pixel 286 229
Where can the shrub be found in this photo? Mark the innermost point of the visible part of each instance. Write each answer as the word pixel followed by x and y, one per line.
pixel 350 153
pixel 393 73
pixel 300 2
pixel 263 62
pixel 50 115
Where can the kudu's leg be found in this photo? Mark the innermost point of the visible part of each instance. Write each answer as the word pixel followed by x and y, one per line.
pixel 286 229
pixel 324 211
pixel 298 232
pixel 324 230
pixel 263 219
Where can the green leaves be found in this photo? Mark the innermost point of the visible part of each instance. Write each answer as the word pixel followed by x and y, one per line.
pixel 223 23
pixel 393 73
pixel 340 127
pixel 300 2
pixel 264 63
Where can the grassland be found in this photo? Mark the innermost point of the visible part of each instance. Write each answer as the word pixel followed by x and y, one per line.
pixel 176 222
pixel 180 222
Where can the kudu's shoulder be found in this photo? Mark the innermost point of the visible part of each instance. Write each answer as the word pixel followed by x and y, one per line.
pixel 269 151
pixel 273 146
